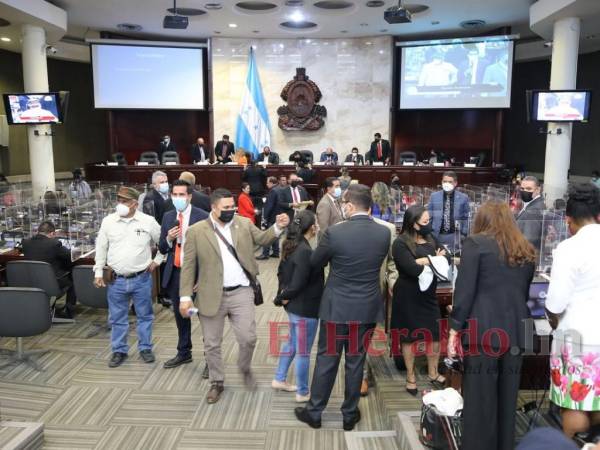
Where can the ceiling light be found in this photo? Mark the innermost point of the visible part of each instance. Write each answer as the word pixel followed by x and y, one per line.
pixel 368 43
pixel 5 39
pixel 232 25
pixel 435 22
pixel 364 24
pixel 213 6
pixel 297 16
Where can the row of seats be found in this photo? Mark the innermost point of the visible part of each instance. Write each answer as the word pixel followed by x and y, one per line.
pixel 27 306
pixel 148 157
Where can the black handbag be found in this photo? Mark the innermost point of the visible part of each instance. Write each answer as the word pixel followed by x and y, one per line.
pixel 438 431
pixel 254 283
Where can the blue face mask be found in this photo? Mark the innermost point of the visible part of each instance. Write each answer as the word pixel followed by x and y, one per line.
pixel 180 203
pixel 163 188
pixel 337 192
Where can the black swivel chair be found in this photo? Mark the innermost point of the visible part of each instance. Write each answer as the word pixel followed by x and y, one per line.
pixel 24 312
pixel 170 157
pixel 119 158
pixel 37 274
pixel 409 157
pixel 88 295
pixel 308 156
pixel 149 157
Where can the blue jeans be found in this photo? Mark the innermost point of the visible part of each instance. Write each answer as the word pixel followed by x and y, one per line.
pixel 302 335
pixel 119 292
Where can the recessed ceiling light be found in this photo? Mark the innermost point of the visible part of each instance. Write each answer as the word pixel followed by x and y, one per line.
pixel 435 22
pixel 302 25
pixel 375 3
pixel 256 31
pixel 213 6
pixel 472 24
pixel 307 41
pixel 186 11
pixel 383 31
pixel 344 31
pixel 368 43
pixel 217 32
pixel 129 27
pixel 232 25
pixel 256 6
pixel 381 52
pixel 333 4
pixel 364 24
pixel 297 16
pixel 5 39
pixel 294 2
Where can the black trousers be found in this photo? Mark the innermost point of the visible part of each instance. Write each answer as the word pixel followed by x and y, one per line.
pixel 184 326
pixel 328 361
pixel 490 388
pixel 67 282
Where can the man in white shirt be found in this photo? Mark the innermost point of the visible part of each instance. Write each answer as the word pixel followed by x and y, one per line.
pixel 124 244
pixel 219 266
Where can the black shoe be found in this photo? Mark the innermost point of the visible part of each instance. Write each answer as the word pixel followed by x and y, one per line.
pixel 302 416
pixel 349 424
pixel 262 257
pixel 117 359
pixel 63 313
pixel 147 356
pixel 177 361
pixel 205 372
pixel 275 256
pixel 166 302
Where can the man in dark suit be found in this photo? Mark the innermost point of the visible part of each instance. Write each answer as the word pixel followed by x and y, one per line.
pixel 45 247
pixel 529 219
pixel 268 155
pixel 351 304
pixel 355 157
pixel 270 211
pixel 199 199
pixel 380 150
pixel 329 157
pixel 156 199
pixel 256 177
pixel 224 150
pixel 165 146
pixel 291 196
pixel 200 153
pixel 172 238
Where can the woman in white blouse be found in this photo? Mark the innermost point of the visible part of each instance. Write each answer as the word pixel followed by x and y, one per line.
pixel 573 308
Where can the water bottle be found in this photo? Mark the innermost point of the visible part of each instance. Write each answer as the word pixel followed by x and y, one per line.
pixel 192 312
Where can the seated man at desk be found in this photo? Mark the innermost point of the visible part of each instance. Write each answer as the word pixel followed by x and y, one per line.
pixel 329 157
pixel 44 246
pixel 355 157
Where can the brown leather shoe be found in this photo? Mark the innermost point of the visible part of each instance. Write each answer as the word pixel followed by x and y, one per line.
pixel 364 388
pixel 215 391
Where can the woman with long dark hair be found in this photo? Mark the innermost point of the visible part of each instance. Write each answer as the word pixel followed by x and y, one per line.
pixel 415 313
pixel 573 307
pixel 490 303
pixel 300 290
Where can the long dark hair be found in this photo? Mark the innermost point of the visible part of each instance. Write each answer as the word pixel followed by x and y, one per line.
pixel 412 215
pixel 295 232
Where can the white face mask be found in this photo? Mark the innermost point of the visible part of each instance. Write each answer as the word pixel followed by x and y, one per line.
pixel 122 210
pixel 447 187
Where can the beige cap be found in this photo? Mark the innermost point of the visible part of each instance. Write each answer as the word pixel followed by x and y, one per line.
pixel 128 192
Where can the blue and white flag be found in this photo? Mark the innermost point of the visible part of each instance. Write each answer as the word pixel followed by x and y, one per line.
pixel 253 127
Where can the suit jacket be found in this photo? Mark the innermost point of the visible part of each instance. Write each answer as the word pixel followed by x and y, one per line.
pixel 359 159
pixel 256 177
pixel 271 207
pixel 155 205
pixel 461 211
pixel 325 156
pixel 219 151
pixel 329 213
pixel 203 265
pixel 491 292
pixel 386 151
pixel 355 250
pixel 285 200
pixel 300 283
pixel 165 148
pixel 529 221
pixel 169 221
pixel 197 154
pixel 273 158
pixel 200 200
pixel 42 248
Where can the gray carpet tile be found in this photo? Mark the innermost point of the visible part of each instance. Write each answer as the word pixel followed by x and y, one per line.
pixel 63 437
pixel 302 439
pixel 140 438
pixel 158 409
pixel 222 440
pixel 25 402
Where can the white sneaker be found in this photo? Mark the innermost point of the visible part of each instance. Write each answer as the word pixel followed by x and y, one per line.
pixel 302 398
pixel 283 386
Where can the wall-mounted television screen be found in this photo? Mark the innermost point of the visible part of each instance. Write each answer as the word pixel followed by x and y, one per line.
pixel 33 109
pixel 560 106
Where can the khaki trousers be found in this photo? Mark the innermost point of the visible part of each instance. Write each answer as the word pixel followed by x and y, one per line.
pixel 239 306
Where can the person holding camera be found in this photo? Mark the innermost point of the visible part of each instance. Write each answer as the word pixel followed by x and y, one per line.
pixel 300 290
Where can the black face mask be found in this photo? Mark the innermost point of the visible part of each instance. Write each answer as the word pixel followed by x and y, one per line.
pixel 425 230
pixel 294 184
pixel 526 196
pixel 227 216
pixel 395 182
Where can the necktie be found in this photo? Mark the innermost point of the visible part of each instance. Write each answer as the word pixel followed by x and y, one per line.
pixel 379 151
pixel 295 195
pixel 177 262
pixel 446 215
pixel 224 151
pixel 202 156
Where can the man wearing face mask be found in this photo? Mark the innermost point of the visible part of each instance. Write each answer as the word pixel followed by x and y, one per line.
pixel 165 146
pixel 219 261
pixel 447 208
pixel 329 211
pixel 529 218
pixel 355 157
pixel 155 200
pixel 291 196
pixel 124 247
pixel 172 240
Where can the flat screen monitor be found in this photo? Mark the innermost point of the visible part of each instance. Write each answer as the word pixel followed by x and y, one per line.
pixel 143 76
pixel 33 109
pixel 538 290
pixel 560 106
pixel 459 74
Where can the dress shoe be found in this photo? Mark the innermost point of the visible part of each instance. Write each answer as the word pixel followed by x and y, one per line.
pixel 166 302
pixel 147 356
pixel 117 359
pixel 364 388
pixel 249 380
pixel 215 391
pixel 302 398
pixel 350 423
pixel 205 372
pixel 63 313
pixel 262 257
pixel 283 386
pixel 302 415
pixel 275 256
pixel 177 361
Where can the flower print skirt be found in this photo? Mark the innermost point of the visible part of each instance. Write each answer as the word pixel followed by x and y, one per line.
pixel 575 375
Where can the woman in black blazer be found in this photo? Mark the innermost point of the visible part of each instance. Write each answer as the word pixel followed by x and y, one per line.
pixel 490 300
pixel 300 290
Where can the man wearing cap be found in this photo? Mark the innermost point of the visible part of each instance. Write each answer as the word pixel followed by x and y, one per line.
pixel 124 244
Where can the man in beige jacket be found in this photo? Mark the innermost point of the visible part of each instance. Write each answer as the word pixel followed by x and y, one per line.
pixel 329 211
pixel 222 282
